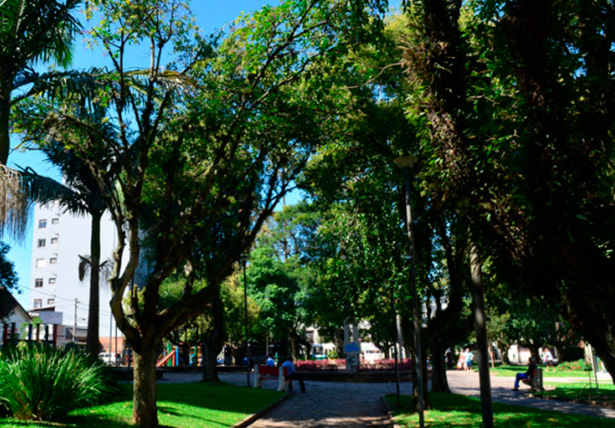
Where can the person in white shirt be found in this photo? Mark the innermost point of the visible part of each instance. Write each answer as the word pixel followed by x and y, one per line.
pixel 292 374
pixel 547 359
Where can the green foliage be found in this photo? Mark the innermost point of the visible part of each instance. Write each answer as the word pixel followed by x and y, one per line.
pixel 8 276
pixel 43 383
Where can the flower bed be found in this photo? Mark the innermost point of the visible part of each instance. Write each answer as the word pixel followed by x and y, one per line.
pixel 386 365
pixel 321 365
pixel 574 365
pixel 340 364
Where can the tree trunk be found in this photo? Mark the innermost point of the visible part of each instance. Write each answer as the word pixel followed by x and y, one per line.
pixel 210 373
pixel 144 411
pixel 5 140
pixel 212 342
pixel 439 382
pixel 504 353
pixel 92 342
pixel 481 338
pixel 535 352
pixel 293 348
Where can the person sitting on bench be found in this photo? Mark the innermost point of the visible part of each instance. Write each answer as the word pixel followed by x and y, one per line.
pixel 270 360
pixel 528 375
pixel 292 374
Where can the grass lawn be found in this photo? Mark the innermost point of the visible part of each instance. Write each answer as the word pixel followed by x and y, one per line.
pixel 450 410
pixel 179 405
pixel 512 370
pixel 581 392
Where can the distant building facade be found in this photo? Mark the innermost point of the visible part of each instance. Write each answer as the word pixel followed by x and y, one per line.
pixel 59 238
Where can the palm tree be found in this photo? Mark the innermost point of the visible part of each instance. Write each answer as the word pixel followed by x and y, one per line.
pixel 80 195
pixel 31 31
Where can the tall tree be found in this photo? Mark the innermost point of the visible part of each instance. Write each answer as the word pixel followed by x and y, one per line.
pixel 204 151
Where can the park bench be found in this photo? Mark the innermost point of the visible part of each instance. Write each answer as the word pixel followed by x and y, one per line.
pixel 535 380
pixel 271 373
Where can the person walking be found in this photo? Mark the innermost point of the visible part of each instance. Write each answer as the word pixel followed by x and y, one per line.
pixel 547 359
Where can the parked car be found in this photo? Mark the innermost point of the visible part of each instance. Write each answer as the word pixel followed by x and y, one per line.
pixel 110 358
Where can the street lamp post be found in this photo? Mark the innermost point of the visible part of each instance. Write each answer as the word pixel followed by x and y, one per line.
pixel 405 163
pixel 245 299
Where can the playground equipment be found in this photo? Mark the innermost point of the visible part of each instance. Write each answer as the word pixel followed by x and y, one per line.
pixel 170 358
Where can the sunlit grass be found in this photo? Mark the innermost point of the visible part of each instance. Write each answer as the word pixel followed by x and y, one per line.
pixel 581 391
pixel 179 405
pixel 450 410
pixel 511 370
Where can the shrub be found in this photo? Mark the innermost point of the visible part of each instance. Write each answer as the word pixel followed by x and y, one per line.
pixel 333 355
pixel 574 365
pixel 43 383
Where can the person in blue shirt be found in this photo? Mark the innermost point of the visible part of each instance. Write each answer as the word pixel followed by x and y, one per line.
pixel 270 361
pixel 292 374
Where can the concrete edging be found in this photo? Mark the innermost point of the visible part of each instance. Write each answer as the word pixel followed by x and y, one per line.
pixel 253 417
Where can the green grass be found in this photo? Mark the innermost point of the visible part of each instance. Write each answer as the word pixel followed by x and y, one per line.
pixel 179 405
pixel 581 391
pixel 512 370
pixel 450 410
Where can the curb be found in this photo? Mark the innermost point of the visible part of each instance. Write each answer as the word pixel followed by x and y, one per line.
pixel 252 418
pixel 385 405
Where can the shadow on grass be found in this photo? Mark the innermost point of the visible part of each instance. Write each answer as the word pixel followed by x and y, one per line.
pixel 187 404
pixel 459 411
pixel 581 393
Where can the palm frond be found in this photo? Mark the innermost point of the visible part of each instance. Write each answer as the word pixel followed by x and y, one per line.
pixel 85 265
pixel 43 189
pixel 13 204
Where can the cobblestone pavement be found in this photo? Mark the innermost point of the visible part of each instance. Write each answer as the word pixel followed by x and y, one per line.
pixel 349 405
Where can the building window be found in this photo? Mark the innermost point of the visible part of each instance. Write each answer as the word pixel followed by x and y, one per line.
pixel 54 241
pixel 40 263
pixel 38 303
pixel 53 261
pixel 41 243
pixel 51 302
pixel 52 280
pixel 55 220
pixel 38 282
pixel 42 223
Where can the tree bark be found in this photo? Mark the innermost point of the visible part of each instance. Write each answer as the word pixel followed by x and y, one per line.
pixel 5 140
pixel 481 337
pixel 144 411
pixel 439 382
pixel 92 341
pixel 212 344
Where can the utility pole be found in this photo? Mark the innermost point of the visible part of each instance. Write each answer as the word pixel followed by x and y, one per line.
pixel 75 323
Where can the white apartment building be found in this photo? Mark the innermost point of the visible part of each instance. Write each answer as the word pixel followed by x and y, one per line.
pixel 59 238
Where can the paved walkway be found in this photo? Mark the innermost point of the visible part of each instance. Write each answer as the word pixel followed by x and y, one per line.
pixel 349 405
